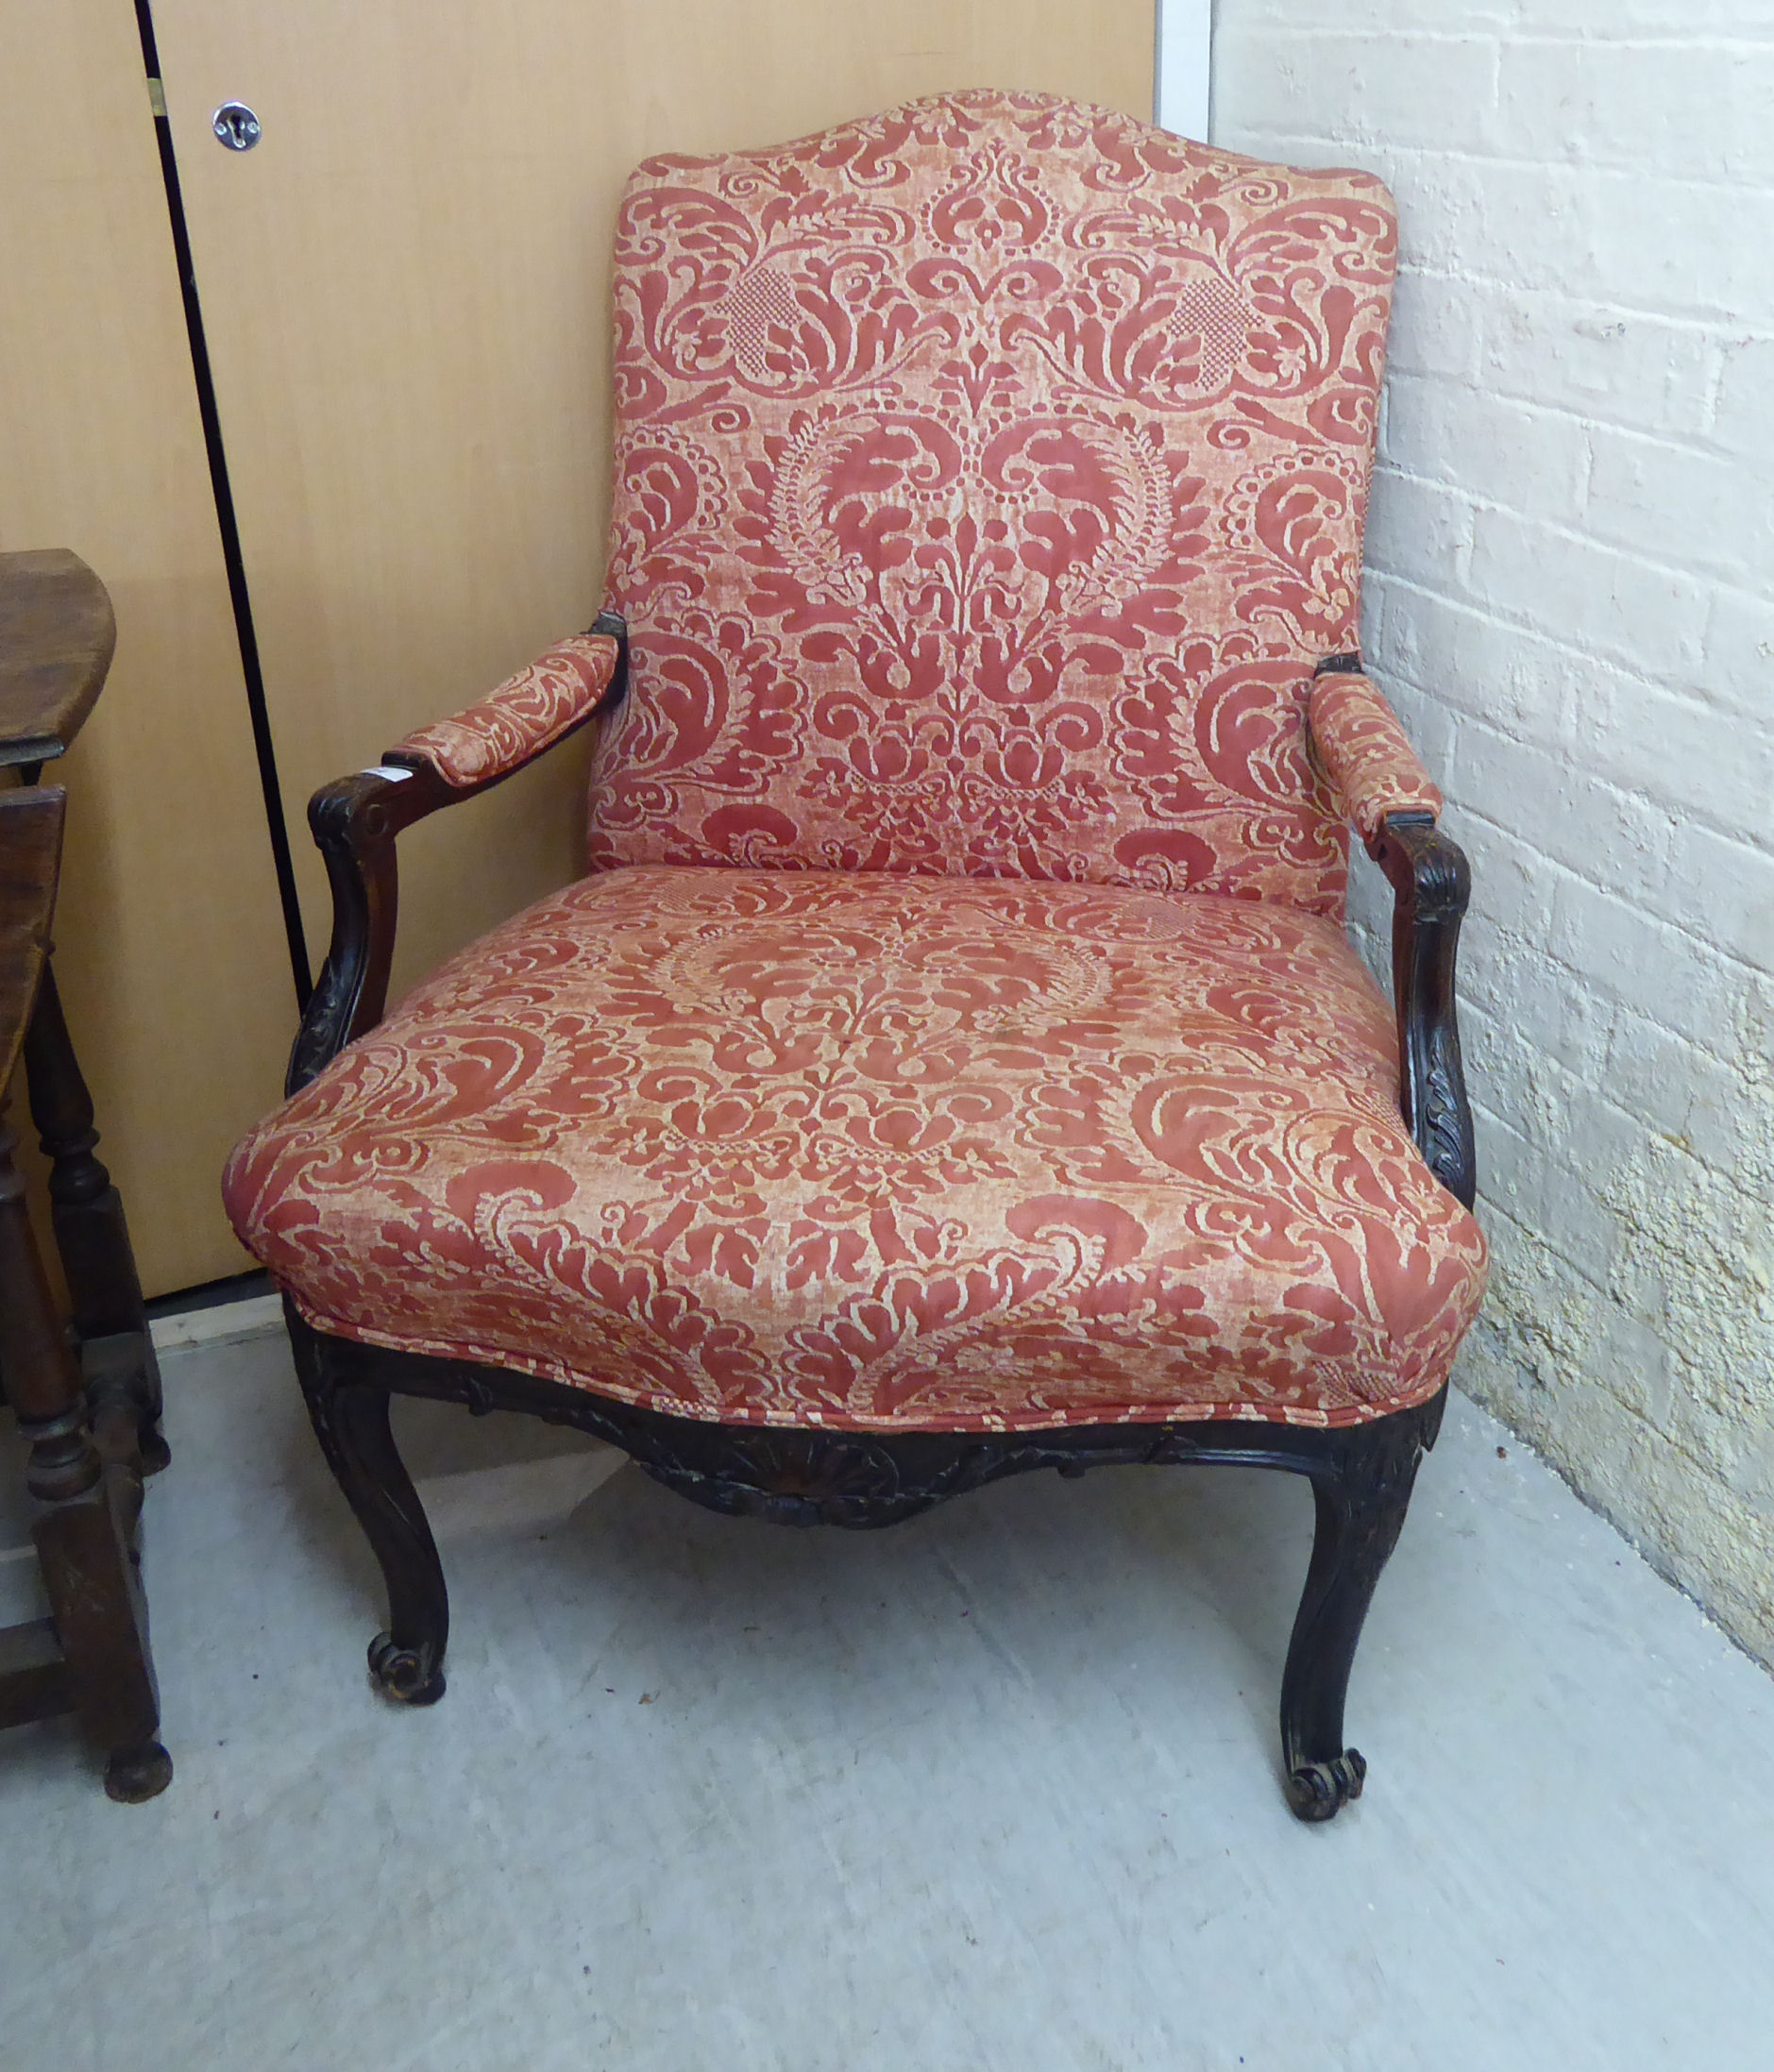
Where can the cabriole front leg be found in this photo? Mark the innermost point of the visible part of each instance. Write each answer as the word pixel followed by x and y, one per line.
pixel 350 1419
pixel 1362 1490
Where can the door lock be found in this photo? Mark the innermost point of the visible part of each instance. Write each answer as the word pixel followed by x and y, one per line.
pixel 235 125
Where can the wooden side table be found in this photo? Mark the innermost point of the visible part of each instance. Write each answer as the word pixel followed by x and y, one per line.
pixel 87 1396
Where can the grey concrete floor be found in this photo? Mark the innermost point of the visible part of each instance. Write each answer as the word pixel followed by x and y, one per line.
pixel 993 1790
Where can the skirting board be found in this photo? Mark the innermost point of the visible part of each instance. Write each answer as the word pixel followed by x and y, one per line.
pixel 257 1317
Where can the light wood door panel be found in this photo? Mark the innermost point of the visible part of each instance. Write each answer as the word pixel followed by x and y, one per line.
pixel 170 956
pixel 405 288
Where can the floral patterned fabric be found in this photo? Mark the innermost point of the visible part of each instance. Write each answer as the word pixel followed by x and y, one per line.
pixel 883 1151
pixel 1365 754
pixel 989 477
pixel 990 480
pixel 503 730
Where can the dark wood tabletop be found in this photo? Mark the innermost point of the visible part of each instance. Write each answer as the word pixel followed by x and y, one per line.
pixel 57 633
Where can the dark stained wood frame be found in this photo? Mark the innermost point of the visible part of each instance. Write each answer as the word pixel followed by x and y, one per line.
pixel 1361 1475
pixel 87 1397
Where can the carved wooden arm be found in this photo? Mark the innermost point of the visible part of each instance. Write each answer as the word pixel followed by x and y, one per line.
pixel 356 819
pixel 1431 882
pixel 1387 794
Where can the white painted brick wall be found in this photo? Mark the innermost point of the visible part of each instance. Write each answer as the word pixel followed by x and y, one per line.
pixel 1571 558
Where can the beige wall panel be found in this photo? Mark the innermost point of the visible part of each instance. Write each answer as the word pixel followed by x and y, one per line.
pixel 170 954
pixel 405 288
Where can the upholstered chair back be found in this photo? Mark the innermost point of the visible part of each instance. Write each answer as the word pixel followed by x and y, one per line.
pixel 989 477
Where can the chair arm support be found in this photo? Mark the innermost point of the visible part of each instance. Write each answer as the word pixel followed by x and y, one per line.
pixel 355 821
pixel 1364 753
pixel 1431 883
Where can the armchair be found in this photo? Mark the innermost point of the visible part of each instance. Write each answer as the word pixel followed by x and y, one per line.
pixel 953 1062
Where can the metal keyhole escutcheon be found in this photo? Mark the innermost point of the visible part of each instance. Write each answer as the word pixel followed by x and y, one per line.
pixel 236 126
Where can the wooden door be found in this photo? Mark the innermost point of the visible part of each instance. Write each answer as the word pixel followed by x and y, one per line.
pixel 405 288
pixel 170 953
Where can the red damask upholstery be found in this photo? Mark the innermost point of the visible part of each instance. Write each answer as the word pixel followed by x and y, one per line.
pixel 956 1030
pixel 884 1152
pixel 1365 754
pixel 990 478
pixel 518 719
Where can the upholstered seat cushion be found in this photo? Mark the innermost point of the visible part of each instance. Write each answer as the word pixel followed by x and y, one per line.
pixel 883 1151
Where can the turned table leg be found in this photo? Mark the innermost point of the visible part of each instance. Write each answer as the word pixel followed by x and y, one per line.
pixel 87 1534
pixel 87 1213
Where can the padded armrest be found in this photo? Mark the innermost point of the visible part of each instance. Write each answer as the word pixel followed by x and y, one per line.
pixel 356 819
pixel 520 718
pixel 1365 754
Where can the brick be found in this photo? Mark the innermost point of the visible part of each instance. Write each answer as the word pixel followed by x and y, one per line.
pixel 1574 839
pixel 1458 653
pixel 1580 1127
pixel 1569 1022
pixel 1433 89
pixel 1419 529
pixel 1683 246
pixel 1732 885
pixel 1635 1365
pixel 1545 1193
pixel 1490 447
pixel 1496 1055
pixel 1688 108
pixel 1743 422
pixel 1709 764
pixel 1515 226
pixel 1652 617
pixel 1674 504
pixel 1564 810
pixel 1498 972
pixel 1680 1089
pixel 1488 966
pixel 1641 962
pixel 1512 886
pixel 1681 20
pixel 1737 668
pixel 1616 365
pixel 1436 321
pixel 1629 239
pixel 1429 724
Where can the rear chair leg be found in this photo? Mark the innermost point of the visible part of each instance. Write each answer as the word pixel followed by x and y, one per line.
pixel 351 1422
pixel 1362 1490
